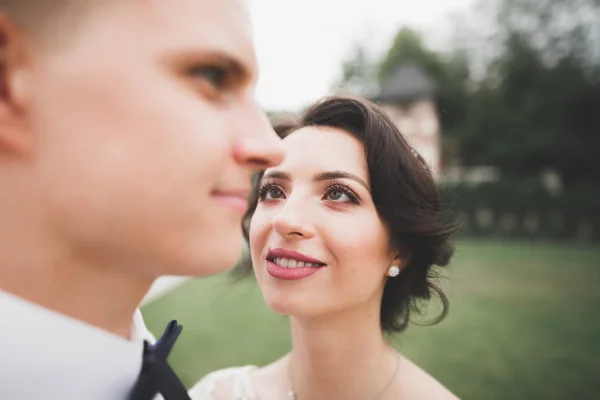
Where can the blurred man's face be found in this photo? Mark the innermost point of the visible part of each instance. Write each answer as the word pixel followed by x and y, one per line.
pixel 146 133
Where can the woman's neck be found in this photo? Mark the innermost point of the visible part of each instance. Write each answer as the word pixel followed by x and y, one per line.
pixel 343 356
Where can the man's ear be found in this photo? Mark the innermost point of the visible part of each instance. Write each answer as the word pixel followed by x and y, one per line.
pixel 14 89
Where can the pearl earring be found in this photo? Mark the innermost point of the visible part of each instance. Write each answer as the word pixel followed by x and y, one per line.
pixel 393 271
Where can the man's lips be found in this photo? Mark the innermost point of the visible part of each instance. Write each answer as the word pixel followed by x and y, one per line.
pixel 236 198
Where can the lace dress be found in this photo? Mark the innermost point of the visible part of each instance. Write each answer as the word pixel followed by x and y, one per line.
pixel 226 384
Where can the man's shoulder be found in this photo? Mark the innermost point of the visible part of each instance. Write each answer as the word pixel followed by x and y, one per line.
pixel 68 358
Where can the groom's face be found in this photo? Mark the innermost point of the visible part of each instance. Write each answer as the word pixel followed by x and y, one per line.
pixel 146 132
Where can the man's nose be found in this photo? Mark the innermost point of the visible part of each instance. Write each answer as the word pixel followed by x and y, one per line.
pixel 258 146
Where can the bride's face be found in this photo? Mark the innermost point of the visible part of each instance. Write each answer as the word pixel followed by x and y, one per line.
pixel 317 243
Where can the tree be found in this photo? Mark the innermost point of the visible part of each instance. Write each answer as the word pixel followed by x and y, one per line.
pixel 358 73
pixel 536 107
pixel 532 104
pixel 408 47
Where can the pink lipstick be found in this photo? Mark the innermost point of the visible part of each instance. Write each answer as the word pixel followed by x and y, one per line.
pixel 294 271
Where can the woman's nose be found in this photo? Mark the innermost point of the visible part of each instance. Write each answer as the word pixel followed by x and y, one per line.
pixel 291 222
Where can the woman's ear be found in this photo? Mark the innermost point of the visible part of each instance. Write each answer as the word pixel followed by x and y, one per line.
pixel 400 258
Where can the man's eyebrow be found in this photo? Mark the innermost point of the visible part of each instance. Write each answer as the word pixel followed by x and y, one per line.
pixel 236 66
pixel 239 68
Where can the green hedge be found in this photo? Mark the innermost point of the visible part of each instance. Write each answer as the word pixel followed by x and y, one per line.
pixel 525 210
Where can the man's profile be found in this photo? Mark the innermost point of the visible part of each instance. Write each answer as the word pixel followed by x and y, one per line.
pixel 128 133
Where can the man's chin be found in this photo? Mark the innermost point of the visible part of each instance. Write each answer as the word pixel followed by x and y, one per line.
pixel 202 268
pixel 208 255
pixel 222 259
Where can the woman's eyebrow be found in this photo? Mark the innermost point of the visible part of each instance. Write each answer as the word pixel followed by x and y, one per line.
pixel 332 175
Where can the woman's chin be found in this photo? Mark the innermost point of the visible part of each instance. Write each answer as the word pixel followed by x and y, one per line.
pixel 281 307
pixel 284 305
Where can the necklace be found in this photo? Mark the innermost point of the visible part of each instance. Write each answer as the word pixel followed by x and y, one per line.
pixel 292 395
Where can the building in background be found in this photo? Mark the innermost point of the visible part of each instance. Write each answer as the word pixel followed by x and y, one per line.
pixel 408 96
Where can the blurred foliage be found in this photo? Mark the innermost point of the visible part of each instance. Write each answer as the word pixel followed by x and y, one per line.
pixel 359 73
pixel 535 104
pixel 525 209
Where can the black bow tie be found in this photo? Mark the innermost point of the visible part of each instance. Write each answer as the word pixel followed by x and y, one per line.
pixel 156 376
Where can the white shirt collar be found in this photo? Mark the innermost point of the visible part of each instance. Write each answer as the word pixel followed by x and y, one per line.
pixel 47 355
pixel 139 332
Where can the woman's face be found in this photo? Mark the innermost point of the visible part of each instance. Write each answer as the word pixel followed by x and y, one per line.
pixel 317 243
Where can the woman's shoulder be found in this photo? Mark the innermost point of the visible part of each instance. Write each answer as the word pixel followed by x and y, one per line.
pixel 225 384
pixel 422 385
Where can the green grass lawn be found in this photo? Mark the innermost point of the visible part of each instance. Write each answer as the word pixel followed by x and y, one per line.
pixel 524 323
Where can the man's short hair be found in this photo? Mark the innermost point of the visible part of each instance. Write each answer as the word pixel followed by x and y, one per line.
pixel 46 20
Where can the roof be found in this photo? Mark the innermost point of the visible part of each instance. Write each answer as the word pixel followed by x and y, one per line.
pixel 406 83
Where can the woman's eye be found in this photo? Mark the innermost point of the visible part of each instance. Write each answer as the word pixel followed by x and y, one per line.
pixel 337 195
pixel 340 196
pixel 273 193
pixel 270 192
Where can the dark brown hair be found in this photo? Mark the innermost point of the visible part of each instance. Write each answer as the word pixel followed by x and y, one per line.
pixel 406 197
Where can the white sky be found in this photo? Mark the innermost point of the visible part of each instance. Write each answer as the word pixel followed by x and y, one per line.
pixel 301 44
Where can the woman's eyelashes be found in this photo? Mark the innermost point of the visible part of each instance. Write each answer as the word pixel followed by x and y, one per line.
pixel 334 192
pixel 270 191
pixel 340 193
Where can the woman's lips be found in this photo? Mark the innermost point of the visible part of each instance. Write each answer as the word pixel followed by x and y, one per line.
pixel 291 274
pixel 290 264
pixel 291 254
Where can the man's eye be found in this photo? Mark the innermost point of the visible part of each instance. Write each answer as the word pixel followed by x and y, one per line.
pixel 215 75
